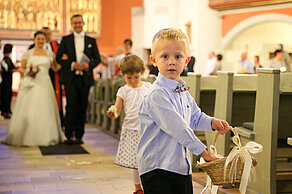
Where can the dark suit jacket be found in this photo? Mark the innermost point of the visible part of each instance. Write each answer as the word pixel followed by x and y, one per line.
pixel 7 75
pixel 67 46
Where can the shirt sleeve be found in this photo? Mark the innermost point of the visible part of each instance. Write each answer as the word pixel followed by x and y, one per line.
pixel 164 114
pixel 199 120
pixel 249 67
pixel 121 92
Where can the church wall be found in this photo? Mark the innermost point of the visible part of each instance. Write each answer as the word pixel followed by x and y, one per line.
pixel 115 23
pixel 229 21
pixel 256 31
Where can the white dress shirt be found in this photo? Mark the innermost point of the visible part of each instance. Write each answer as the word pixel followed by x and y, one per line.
pixel 247 64
pixel 48 47
pixel 79 49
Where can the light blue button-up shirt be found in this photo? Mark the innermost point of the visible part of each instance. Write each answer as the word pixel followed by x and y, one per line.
pixel 167 122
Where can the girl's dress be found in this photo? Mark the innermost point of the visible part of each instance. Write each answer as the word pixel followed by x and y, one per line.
pixel 35 120
pixel 132 99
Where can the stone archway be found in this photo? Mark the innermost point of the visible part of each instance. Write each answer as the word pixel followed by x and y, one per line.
pixel 253 21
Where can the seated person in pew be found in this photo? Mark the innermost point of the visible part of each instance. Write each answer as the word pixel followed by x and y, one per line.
pixel 276 61
pixel 211 64
pixel 257 63
pixel 168 116
pixel 131 95
pixel 218 66
pixel 245 66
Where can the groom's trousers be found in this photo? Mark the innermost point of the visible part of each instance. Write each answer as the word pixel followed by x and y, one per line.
pixel 77 100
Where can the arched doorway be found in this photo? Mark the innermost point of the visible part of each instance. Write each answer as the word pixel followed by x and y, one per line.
pixel 257 35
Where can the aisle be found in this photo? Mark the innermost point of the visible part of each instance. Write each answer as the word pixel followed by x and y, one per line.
pixel 24 170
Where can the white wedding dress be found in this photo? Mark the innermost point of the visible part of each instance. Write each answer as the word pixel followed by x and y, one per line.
pixel 35 120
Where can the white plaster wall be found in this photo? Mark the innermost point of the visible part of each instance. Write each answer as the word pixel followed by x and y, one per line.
pixel 205 30
pixel 159 14
pixel 206 33
pixel 137 32
pixel 259 39
pixel 185 12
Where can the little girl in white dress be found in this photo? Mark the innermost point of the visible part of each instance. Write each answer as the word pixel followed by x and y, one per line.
pixel 131 95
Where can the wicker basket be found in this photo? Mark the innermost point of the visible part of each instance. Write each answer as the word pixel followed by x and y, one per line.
pixel 215 169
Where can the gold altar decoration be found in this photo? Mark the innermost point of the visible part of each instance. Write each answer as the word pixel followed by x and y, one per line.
pixel 30 14
pixel 19 18
pixel 89 9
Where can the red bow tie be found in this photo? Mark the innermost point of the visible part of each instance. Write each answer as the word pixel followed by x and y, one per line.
pixel 181 89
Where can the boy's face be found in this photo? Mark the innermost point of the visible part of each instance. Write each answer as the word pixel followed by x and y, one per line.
pixel 133 79
pixel 170 58
pixel 103 60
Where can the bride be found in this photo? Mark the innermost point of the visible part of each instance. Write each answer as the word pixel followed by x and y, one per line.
pixel 35 120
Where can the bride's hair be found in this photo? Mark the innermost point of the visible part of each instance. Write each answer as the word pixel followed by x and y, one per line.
pixel 37 33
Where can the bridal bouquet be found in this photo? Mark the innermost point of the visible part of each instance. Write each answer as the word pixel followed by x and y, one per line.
pixel 33 70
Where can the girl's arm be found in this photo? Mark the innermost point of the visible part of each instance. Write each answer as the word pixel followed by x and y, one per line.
pixel 22 67
pixel 118 105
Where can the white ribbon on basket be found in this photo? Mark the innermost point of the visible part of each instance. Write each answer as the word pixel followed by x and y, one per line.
pixel 240 152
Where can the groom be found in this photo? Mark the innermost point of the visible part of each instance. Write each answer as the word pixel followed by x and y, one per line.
pixel 78 55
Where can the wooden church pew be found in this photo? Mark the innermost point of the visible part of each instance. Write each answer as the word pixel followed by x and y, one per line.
pixel 271 124
pixel 235 102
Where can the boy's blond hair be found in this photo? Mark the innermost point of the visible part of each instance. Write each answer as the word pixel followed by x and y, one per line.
pixel 170 34
pixel 132 64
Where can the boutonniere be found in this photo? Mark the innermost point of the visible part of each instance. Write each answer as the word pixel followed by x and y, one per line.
pixel 89 46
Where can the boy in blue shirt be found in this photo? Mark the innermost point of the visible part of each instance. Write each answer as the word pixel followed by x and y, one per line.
pixel 168 116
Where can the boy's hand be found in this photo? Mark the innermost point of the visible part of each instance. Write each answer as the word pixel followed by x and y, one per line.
pixel 220 125
pixel 207 156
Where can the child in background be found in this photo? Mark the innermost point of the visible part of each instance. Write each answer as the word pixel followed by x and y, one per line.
pixel 168 116
pixel 131 95
pixel 257 63
pixel 219 59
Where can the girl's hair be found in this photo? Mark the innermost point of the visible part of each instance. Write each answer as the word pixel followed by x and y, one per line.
pixel 132 64
pixel 7 48
pixel 170 34
pixel 37 33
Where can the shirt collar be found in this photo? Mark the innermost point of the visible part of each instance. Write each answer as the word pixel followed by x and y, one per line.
pixel 79 35
pixel 169 83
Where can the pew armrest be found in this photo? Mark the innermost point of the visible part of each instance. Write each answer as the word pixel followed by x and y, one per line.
pixel 244 132
pixel 289 140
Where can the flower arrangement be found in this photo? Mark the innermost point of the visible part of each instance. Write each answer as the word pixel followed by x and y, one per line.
pixel 114 110
pixel 33 70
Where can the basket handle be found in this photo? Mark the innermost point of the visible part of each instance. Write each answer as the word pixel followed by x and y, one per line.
pixel 230 128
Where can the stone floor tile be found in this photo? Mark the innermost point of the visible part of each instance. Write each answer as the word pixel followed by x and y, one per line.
pixel 23 170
